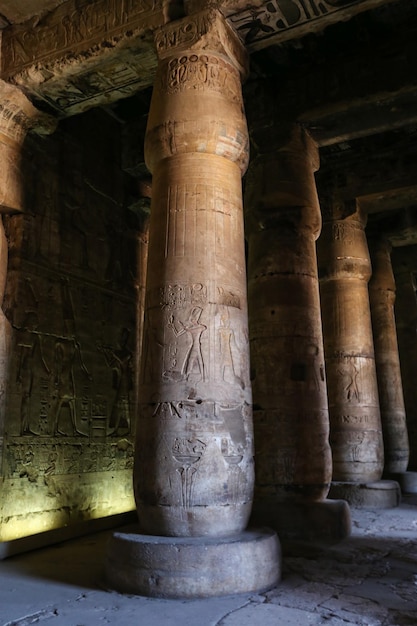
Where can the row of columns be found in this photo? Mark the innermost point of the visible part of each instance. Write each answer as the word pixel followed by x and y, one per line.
pixel 194 476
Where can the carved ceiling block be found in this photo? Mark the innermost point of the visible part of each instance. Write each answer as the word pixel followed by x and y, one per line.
pixel 85 53
pixel 261 24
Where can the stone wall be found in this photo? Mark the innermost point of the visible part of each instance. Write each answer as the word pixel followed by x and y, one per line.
pixel 68 393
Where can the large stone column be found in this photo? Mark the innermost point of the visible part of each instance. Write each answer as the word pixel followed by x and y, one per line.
pixel 140 204
pixel 404 262
pixel 355 421
pixel 391 399
pixel 194 452
pixel 293 458
pixel 17 117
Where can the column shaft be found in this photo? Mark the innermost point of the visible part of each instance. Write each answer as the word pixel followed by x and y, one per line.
pixel 17 117
pixel 194 469
pixel 293 458
pixel 355 423
pixel 404 266
pixel 391 399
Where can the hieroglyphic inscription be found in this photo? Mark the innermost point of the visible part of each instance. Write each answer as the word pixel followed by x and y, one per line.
pixel 352 419
pixel 182 294
pixel 201 72
pixel 188 218
pixel 228 297
pixel 187 452
pixel 77 25
pixel 18 115
pixel 343 232
pixel 14 123
pixel 185 33
pixel 258 24
pixel 36 459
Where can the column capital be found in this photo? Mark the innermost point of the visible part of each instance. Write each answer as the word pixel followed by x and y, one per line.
pixel 334 207
pixel 280 186
pixel 17 117
pixel 197 104
pixel 204 32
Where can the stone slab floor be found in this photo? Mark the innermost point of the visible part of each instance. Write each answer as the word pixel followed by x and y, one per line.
pixel 369 579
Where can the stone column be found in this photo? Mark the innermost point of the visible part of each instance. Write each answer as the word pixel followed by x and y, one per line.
pixel 140 204
pixel 293 458
pixel 391 399
pixel 17 117
pixel 404 262
pixel 355 421
pixel 194 452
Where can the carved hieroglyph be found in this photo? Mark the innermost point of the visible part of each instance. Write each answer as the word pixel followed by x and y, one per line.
pixel 391 399
pixel 69 304
pixel 291 420
pixel 85 53
pixel 17 117
pixel 405 267
pixel 279 20
pixel 345 269
pixel 194 452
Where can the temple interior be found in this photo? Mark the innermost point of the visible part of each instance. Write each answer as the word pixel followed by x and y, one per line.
pixel 208 270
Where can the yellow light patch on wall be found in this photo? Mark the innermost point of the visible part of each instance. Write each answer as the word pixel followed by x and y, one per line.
pixel 28 508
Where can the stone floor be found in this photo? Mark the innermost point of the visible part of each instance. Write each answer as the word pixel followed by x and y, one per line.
pixel 369 579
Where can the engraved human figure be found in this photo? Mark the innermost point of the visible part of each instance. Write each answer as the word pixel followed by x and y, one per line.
pixel 30 348
pixel 193 364
pixel 120 361
pixel 66 353
pixel 350 373
pixel 315 371
pixel 356 446
pixel 227 338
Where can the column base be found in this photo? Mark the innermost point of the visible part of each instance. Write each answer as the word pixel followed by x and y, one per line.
pixel 381 494
pixel 407 481
pixel 326 521
pixel 193 567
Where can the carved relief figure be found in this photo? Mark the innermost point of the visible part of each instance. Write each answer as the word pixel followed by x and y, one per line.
pixel 226 339
pixel 120 361
pixel 349 373
pixel 66 352
pixel 193 364
pixel 30 350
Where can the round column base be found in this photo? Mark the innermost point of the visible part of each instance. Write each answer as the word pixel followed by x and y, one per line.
pixel 325 521
pixel 407 481
pixel 193 567
pixel 381 494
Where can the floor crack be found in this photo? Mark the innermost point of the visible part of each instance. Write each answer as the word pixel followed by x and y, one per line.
pixel 220 622
pixel 39 616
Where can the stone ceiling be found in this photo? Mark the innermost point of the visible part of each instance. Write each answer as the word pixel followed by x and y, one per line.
pixel 19 11
pixel 345 69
